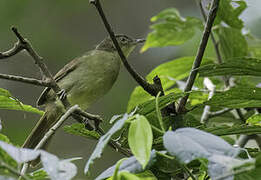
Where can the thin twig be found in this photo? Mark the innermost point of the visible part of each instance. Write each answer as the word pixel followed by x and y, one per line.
pixel 242 141
pixel 25 80
pixel 13 170
pixel 13 51
pixel 158 112
pixel 211 87
pixel 241 116
pixel 218 113
pixel 50 132
pixel 152 89
pixel 39 62
pixel 200 53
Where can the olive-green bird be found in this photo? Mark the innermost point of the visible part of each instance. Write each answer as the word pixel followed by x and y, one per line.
pixel 84 80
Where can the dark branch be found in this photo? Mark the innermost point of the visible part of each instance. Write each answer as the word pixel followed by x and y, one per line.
pixel 200 53
pixel 25 80
pixel 39 62
pixel 13 51
pixel 152 89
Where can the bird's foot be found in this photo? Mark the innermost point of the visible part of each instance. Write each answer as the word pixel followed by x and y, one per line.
pixel 62 94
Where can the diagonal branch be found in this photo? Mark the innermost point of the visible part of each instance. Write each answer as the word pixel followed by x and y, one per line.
pixel 152 89
pixel 194 71
pixel 25 80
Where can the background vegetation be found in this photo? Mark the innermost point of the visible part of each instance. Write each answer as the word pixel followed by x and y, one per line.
pixel 62 30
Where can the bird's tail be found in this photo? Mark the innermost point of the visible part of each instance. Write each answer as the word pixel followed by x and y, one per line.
pixel 49 118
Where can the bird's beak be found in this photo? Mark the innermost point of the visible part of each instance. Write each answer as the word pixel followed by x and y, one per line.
pixel 140 41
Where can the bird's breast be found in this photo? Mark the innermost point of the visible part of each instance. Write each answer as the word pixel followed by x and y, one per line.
pixel 93 78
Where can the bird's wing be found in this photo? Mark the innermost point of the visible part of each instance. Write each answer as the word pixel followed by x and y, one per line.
pixel 62 73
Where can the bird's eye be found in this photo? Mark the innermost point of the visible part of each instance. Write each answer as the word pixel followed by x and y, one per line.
pixel 123 40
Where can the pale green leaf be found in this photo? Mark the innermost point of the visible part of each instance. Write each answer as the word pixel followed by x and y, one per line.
pixel 140 139
pixel 11 103
pixel 172 29
pixel 254 120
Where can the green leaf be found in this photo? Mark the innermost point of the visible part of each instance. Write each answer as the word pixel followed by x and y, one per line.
pixel 243 66
pixel 232 43
pixel 11 103
pixel 172 29
pixel 39 174
pixel 230 13
pixel 150 106
pixel 237 97
pixel 177 69
pixel 254 120
pixel 117 167
pixel 234 130
pixel 127 176
pixel 254 46
pixel 140 139
pixel 146 175
pixel 80 130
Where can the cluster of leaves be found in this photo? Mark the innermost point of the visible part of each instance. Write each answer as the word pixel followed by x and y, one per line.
pixel 195 150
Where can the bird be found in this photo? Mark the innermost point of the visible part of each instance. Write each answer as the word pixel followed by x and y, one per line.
pixel 84 80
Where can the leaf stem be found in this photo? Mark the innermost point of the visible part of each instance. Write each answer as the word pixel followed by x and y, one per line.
pixel 158 112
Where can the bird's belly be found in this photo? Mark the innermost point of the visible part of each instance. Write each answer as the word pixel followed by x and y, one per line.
pixel 92 83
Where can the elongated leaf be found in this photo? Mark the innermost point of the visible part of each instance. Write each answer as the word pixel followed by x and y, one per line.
pixel 172 29
pixel 237 97
pixel 103 141
pixel 140 139
pixel 177 69
pixel 243 66
pixel 234 130
pixel 229 12
pixel 11 103
pixel 79 130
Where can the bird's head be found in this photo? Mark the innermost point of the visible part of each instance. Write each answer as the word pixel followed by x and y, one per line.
pixel 126 43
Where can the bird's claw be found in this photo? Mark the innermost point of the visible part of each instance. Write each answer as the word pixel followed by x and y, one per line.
pixel 62 94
